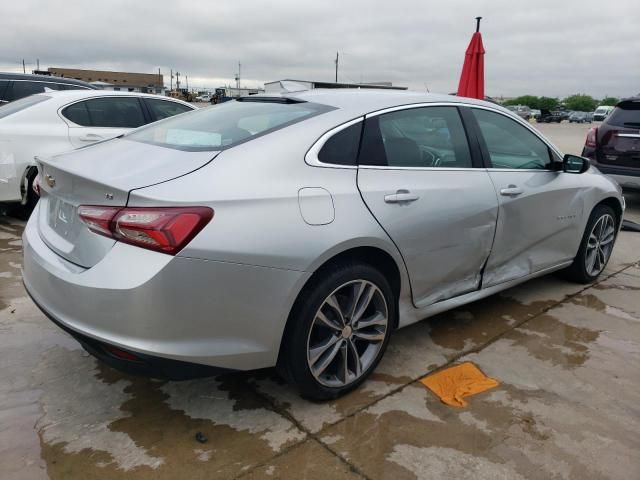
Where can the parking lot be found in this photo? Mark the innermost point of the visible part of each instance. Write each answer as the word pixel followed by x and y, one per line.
pixel 567 357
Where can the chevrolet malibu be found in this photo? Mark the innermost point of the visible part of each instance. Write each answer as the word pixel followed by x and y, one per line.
pixel 301 229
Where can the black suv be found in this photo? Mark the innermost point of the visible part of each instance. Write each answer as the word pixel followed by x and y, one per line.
pixel 548 116
pixel 614 146
pixel 16 85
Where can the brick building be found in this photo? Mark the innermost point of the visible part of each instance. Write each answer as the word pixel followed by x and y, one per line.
pixel 124 81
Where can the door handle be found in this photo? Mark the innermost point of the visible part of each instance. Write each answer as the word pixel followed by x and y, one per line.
pixel 401 196
pixel 511 191
pixel 90 137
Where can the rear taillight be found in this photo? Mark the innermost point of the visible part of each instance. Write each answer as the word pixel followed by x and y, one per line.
pixel 164 229
pixel 592 138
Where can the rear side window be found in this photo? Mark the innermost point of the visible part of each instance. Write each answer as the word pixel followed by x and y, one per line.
pixel 113 112
pixel 626 114
pixel 78 114
pixel 342 148
pixel 18 105
pixel 427 137
pixel 227 124
pixel 165 108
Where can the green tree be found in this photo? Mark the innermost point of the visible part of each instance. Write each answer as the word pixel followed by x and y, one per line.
pixel 547 103
pixel 609 101
pixel 530 101
pixel 580 102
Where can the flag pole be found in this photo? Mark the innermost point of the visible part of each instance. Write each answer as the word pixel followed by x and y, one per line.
pixel 478 23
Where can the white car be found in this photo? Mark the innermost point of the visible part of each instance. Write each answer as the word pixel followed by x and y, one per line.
pixel 203 98
pixel 54 122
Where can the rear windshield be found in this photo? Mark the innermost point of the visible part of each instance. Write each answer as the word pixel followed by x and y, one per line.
pixel 26 102
pixel 626 114
pixel 223 126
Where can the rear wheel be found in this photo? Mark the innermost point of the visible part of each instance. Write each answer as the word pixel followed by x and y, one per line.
pixel 23 210
pixel 596 246
pixel 338 331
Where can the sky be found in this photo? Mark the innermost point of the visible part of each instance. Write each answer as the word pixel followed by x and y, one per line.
pixel 553 48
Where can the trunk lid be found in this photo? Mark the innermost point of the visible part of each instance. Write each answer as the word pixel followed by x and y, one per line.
pixel 102 174
pixel 620 136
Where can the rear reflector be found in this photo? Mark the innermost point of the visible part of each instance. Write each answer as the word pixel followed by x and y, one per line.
pixel 121 354
pixel 163 229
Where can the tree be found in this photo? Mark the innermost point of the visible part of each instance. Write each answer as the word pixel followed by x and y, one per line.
pixel 609 101
pixel 530 101
pixel 547 103
pixel 580 102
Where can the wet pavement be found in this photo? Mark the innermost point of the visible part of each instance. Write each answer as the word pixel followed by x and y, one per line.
pixel 568 405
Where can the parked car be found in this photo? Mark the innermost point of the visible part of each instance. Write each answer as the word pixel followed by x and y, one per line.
pixel 301 229
pixel 614 146
pixel 14 86
pixel 602 112
pixel 535 113
pixel 51 123
pixel 522 111
pixel 579 117
pixel 548 116
pixel 203 98
pixel 564 114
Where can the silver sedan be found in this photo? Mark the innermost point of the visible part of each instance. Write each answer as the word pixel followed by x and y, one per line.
pixel 301 229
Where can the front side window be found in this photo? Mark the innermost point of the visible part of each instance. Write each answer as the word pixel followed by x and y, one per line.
pixel 225 125
pixel 426 137
pixel 165 108
pixel 511 145
pixel 21 89
pixel 342 148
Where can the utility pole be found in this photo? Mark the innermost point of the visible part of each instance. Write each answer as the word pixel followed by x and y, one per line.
pixel 160 82
pixel 171 81
pixel 187 79
pixel 38 63
pixel 177 80
pixel 238 77
pixel 24 70
pixel 336 62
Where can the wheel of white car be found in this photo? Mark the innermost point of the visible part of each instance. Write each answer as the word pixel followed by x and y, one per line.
pixel 338 330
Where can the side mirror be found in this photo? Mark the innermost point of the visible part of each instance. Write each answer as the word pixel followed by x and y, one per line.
pixel 575 164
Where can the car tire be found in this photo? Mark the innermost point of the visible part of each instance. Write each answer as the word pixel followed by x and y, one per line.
pixel 23 211
pixel 324 350
pixel 591 250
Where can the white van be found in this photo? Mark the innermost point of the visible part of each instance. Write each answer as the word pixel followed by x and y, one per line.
pixel 602 112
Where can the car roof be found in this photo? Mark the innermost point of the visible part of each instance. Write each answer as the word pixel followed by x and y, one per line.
pixel 368 100
pixel 70 95
pixel 44 78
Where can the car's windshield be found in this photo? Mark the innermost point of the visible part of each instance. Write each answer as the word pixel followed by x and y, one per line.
pixel 225 125
pixel 18 105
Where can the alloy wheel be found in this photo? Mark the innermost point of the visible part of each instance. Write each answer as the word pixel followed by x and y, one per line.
pixel 347 333
pixel 600 244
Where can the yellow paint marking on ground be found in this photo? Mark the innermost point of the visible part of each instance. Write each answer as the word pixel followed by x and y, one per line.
pixel 452 384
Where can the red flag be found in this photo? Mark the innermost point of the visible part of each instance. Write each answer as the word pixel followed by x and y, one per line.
pixel 472 77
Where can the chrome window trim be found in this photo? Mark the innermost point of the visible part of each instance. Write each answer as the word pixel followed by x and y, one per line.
pixel 311 157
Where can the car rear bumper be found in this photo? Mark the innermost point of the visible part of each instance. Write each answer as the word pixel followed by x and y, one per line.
pixel 219 314
pixel 627 178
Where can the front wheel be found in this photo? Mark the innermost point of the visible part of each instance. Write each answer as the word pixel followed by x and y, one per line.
pixel 596 246
pixel 338 330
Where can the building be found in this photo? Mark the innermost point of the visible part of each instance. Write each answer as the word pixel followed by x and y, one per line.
pixel 288 84
pixel 124 81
